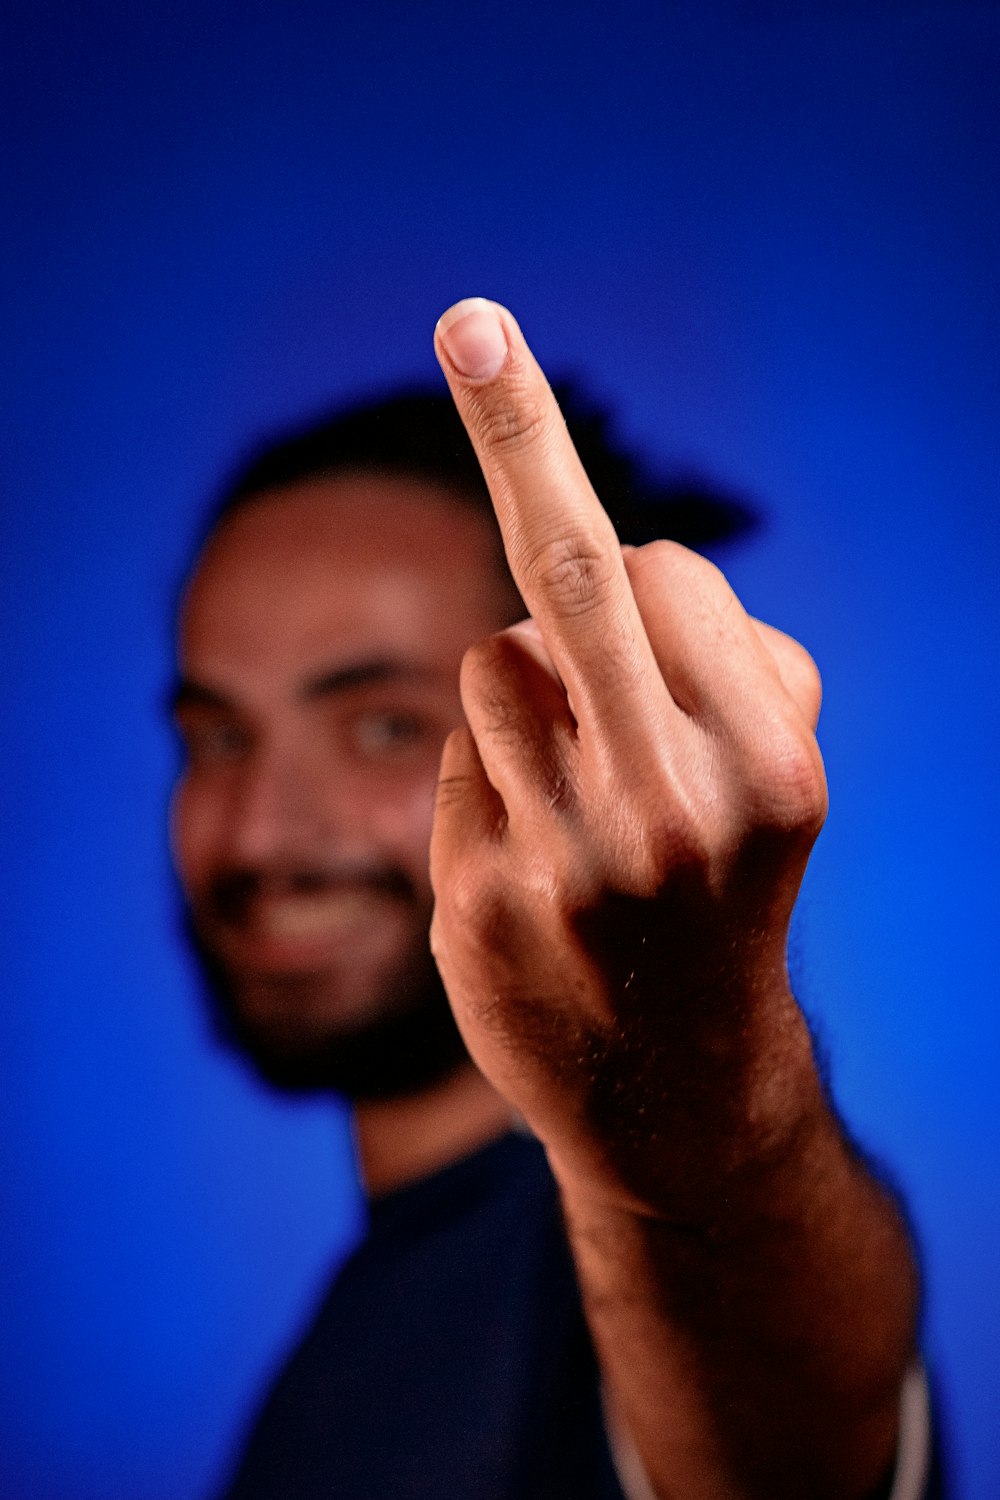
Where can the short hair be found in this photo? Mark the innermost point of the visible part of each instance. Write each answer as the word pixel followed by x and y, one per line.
pixel 417 431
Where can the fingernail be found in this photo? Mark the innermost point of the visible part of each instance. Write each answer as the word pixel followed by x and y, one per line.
pixel 473 338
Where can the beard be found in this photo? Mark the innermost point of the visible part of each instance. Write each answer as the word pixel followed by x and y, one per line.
pixel 404 1043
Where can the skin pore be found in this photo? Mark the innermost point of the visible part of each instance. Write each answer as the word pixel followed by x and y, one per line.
pixel 320 642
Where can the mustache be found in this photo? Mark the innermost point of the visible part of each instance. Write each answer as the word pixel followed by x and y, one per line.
pixel 232 892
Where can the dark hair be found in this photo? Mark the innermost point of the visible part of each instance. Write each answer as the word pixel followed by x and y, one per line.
pixel 417 431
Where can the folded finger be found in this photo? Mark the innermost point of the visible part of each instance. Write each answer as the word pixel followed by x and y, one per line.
pixel 520 718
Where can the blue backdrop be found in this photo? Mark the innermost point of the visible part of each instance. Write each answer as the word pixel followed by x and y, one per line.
pixel 768 235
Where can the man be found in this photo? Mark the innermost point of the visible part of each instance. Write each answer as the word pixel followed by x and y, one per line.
pixel 623 790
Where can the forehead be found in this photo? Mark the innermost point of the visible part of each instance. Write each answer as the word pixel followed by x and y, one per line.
pixel 340 566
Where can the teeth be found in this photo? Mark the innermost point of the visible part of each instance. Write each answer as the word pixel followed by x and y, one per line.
pixel 312 914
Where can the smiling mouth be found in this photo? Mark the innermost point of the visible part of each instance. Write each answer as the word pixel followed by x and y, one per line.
pixel 310 915
pixel 307 929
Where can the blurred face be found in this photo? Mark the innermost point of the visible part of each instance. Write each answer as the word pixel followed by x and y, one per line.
pixel 320 642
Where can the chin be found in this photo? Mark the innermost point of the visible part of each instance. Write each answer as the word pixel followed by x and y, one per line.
pixel 301 1039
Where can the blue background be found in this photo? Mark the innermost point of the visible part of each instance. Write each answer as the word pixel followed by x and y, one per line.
pixel 768 235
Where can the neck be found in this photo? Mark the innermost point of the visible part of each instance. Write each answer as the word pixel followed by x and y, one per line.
pixel 400 1140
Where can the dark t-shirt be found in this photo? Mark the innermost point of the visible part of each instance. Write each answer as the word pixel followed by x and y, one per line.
pixel 450 1357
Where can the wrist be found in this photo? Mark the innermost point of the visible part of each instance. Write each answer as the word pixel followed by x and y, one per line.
pixel 707 1151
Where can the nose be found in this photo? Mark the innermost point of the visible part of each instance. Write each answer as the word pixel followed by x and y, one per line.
pixel 279 805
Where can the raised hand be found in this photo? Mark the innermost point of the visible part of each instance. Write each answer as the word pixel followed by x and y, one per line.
pixel 621 832
pixel 619 838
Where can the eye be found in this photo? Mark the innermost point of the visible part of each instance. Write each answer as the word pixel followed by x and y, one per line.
pixel 389 732
pixel 212 744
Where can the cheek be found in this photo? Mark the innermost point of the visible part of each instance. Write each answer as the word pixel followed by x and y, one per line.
pixel 405 818
pixel 190 834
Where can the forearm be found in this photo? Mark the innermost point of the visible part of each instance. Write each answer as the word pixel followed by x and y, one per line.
pixel 755 1339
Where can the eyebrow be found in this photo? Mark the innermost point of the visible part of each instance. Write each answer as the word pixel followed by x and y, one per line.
pixel 327 683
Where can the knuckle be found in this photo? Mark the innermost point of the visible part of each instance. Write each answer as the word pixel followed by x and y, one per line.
pixel 517 418
pixel 480 913
pixel 456 756
pixel 807 684
pixel 469 902
pixel 797 670
pixel 452 791
pixel 804 662
pixel 796 796
pixel 678 849
pixel 574 571
pixel 658 841
pixel 662 561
